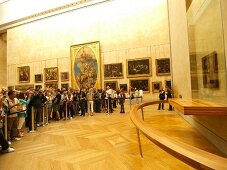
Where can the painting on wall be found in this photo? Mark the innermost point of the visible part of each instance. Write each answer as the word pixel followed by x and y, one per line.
pixel 85 65
pixel 168 83
pixel 64 76
pixel 25 87
pixel 124 87
pixel 156 86
pixel 138 67
pixel 65 85
pixel 210 71
pixel 38 87
pixel 10 88
pixel 140 84
pixel 24 74
pixel 38 78
pixel 51 85
pixel 163 67
pixel 112 84
pixel 51 74
pixel 113 71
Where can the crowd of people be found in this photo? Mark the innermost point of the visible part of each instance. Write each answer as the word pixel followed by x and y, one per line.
pixel 51 104
pixel 34 108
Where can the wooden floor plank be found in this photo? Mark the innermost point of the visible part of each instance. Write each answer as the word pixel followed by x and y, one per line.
pixel 101 142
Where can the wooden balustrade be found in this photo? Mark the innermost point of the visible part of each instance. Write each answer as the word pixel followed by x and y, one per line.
pixel 191 155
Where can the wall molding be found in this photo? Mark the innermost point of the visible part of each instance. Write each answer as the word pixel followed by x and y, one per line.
pixel 51 12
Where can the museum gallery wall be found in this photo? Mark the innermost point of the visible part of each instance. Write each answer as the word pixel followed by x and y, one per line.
pixel 46 43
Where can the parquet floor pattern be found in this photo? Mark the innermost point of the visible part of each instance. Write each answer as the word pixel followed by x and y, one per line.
pixel 101 142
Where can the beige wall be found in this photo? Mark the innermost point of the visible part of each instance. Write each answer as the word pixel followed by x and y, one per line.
pixel 123 34
pixel 179 49
pixel 206 36
pixel 3 64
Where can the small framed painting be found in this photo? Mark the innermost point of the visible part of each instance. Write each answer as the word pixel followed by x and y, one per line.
pixel 24 74
pixel 113 84
pixel 156 86
pixel 51 85
pixel 163 66
pixel 51 74
pixel 38 78
pixel 64 76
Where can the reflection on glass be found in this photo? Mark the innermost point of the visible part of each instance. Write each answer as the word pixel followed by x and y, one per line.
pixel 206 48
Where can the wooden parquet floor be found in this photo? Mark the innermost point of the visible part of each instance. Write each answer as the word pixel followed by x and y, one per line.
pixel 101 142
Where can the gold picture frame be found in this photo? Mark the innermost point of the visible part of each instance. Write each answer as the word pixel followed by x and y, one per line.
pixel 163 67
pixel 51 74
pixel 140 84
pixel 65 85
pixel 24 74
pixel 156 86
pixel 85 65
pixel 168 83
pixel 38 87
pixel 113 71
pixel 64 76
pixel 51 85
pixel 124 86
pixel 10 88
pixel 112 84
pixel 210 70
pixel 24 87
pixel 140 67
pixel 38 78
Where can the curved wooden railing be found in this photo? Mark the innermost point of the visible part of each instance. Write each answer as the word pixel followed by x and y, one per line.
pixel 191 155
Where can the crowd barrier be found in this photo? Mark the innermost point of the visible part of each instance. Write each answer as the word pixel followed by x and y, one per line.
pixel 189 154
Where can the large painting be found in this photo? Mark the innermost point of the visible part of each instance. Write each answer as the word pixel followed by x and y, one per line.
pixel 139 67
pixel 113 84
pixel 24 74
pixel 113 71
pixel 163 66
pixel 210 71
pixel 85 65
pixel 51 74
pixel 140 84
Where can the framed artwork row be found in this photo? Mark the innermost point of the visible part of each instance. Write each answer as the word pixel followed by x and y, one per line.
pixel 140 67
